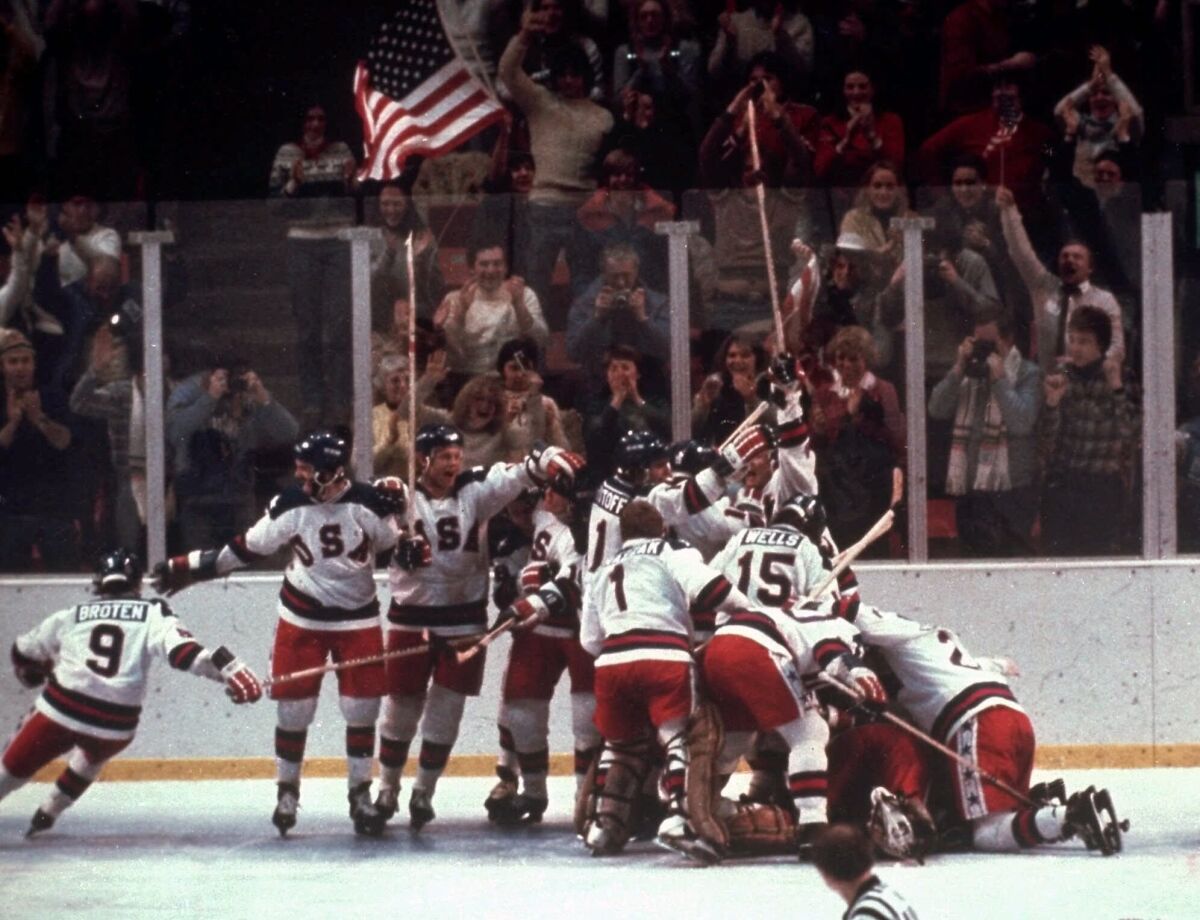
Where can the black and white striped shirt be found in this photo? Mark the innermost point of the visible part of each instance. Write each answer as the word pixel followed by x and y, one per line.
pixel 876 901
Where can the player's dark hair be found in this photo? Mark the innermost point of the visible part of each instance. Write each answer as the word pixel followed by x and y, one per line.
pixel 641 519
pixel 843 852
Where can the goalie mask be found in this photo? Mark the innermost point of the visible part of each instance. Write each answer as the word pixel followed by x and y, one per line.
pixel 900 826
pixel 118 572
pixel 321 460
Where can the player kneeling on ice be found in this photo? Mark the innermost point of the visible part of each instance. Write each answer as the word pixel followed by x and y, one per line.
pixel 328 608
pixel 95 660
pixel 637 622
pixel 439 582
pixel 965 708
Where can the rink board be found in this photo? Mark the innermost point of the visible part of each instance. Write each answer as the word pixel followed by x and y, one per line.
pixel 1107 654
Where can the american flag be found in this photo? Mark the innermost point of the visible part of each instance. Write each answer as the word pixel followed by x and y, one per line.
pixel 802 295
pixel 414 94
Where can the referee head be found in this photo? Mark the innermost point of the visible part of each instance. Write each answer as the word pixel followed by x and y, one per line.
pixel 843 855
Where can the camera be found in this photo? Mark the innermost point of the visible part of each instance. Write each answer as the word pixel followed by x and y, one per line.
pixel 756 89
pixel 620 300
pixel 981 350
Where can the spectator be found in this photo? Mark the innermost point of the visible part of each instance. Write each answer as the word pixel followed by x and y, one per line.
pixel 959 288
pixel 624 210
pixel 560 30
pixel 622 406
pixel 1087 434
pixel 566 132
pixel 532 416
pixel 311 178
pixel 38 485
pixel 503 212
pixel 112 390
pixel 858 434
pixel 486 312
pixel 389 265
pixel 977 48
pixel 84 239
pixel 855 136
pixel 18 308
pixel 616 309
pixel 881 197
pixel 1010 144
pixel 480 414
pixel 91 56
pixel 1100 115
pixel 765 25
pixel 993 395
pixel 1056 296
pixel 843 856
pixel 841 300
pixel 218 423
pixel 662 139
pixel 392 435
pixel 727 396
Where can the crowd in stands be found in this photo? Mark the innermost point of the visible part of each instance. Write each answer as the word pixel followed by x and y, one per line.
pixel 1024 130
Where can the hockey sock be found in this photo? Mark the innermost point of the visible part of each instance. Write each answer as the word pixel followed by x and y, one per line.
pixel 439 730
pixel 71 783
pixel 291 734
pixel 360 715
pixel 587 736
pixel 506 763
pixel 583 762
pixel 1033 827
pixel 807 766
pixel 397 725
pixel 673 737
pixel 529 721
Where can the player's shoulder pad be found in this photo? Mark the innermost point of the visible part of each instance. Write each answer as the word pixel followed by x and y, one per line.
pixel 467 477
pixel 290 498
pixel 365 494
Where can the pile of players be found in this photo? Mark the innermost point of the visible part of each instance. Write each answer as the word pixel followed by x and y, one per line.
pixel 694 598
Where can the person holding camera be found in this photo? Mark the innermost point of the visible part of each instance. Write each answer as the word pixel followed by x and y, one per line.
pixel 994 395
pixel 616 309
pixel 218 422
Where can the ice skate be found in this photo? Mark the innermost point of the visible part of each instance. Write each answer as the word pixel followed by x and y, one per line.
pixel 601 839
pixel 287 802
pixel 367 820
pixel 1051 793
pixel 500 799
pixel 41 821
pixel 420 809
pixel 1091 815
pixel 387 802
pixel 675 834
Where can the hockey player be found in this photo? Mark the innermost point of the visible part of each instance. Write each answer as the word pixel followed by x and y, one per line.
pixel 967 705
pixel 760 670
pixel 709 529
pixel 95 660
pixel 328 609
pixel 636 621
pixel 439 583
pixel 545 644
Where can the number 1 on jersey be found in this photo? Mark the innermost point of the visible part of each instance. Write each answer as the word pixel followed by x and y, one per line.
pixel 617 577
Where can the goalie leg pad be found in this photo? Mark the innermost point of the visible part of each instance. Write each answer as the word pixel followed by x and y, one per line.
pixel 618 779
pixel 705 738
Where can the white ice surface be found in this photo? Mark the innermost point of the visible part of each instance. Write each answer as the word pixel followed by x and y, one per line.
pixel 207 849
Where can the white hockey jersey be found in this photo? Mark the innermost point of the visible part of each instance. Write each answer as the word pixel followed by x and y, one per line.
pixel 771 565
pixel 329 582
pixel 796 464
pixel 709 529
pixel 102 653
pixel 554 544
pixel 936 680
pixel 641 602
pixel 810 640
pixel 449 596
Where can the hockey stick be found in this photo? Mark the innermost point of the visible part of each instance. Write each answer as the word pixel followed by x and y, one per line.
pixel 358 662
pixel 745 423
pixel 485 640
pixel 853 692
pixel 848 555
pixel 760 192
pixel 411 511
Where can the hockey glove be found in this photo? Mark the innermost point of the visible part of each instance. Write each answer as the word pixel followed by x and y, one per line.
pixel 413 553
pixel 555 467
pixel 390 493
pixel 241 684
pixel 849 673
pixel 534 575
pixel 733 456
pixel 534 609
pixel 785 371
pixel 30 672
pixel 180 571
pixel 504 586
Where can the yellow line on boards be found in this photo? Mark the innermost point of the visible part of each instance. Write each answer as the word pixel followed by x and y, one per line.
pixel 1050 757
